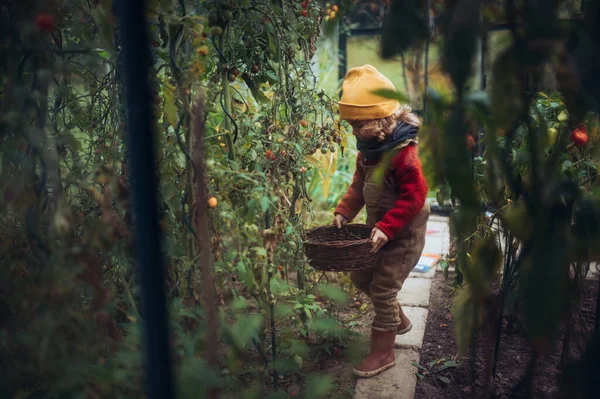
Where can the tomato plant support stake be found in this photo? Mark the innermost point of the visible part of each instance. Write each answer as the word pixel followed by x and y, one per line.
pixel 226 98
pixel 203 239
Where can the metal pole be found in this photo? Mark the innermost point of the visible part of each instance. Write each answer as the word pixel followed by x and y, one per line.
pixel 142 166
pixel 482 82
pixel 427 56
pixel 342 52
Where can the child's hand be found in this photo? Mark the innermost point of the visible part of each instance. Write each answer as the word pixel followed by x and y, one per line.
pixel 378 240
pixel 339 221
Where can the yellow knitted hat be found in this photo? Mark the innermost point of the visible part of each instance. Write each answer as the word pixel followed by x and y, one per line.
pixel 358 103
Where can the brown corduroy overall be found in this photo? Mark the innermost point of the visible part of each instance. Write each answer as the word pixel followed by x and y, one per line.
pixel 397 258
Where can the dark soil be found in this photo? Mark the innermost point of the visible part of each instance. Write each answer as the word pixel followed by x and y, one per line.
pixel 515 353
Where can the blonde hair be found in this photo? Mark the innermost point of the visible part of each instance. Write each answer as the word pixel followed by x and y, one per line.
pixel 381 128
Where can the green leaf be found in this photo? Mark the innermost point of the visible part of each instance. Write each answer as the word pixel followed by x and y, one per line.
pixel 326 325
pixel 463 313
pixel 299 347
pixel 333 293
pixel 240 303
pixel 417 365
pixel 286 366
pixel 278 286
pixel 318 386
pixel 252 155
pixel 271 77
pixel 391 94
pixel 258 95
pixel 449 364
pixel 445 380
pixel 245 328
pixel 260 251
pixel 170 109
pixel 516 217
pixel 566 165
pixel 265 202
pixel 102 54
pixel 444 266
pixel 283 310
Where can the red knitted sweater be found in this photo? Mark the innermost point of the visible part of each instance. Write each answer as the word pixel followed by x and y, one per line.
pixel 412 192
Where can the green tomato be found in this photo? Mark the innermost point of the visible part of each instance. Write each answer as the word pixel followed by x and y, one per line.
pixel 216 31
pixel 517 218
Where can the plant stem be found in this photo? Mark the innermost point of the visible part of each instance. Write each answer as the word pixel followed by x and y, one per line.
pixel 226 99
pixel 271 301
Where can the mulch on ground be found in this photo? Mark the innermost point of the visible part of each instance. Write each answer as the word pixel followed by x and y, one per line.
pixel 515 353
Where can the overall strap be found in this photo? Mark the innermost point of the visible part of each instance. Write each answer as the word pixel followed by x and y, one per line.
pixel 395 151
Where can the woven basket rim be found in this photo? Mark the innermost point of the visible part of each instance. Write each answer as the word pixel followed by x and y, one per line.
pixel 330 226
pixel 339 243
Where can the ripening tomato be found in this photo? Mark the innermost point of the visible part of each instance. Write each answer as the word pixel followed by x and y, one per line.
pixel 470 142
pixel 45 22
pixel 579 136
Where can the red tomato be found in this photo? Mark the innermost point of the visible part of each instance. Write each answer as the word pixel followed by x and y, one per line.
pixel 579 136
pixel 45 22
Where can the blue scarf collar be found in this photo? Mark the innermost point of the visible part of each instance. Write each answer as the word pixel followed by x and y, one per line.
pixel 372 150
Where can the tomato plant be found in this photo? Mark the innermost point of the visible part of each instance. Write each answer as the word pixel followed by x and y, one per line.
pixel 67 195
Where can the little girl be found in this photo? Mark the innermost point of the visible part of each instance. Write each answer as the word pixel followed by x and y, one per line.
pixel 389 181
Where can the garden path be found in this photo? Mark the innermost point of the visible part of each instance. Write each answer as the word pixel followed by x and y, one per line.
pixel 400 381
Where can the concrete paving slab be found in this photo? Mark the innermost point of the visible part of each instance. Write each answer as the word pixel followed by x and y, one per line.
pixel 428 274
pixel 439 218
pixel 435 227
pixel 396 383
pixel 415 292
pixel 414 338
pixel 434 245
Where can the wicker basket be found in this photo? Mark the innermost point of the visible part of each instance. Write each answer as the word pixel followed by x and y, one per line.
pixel 331 249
